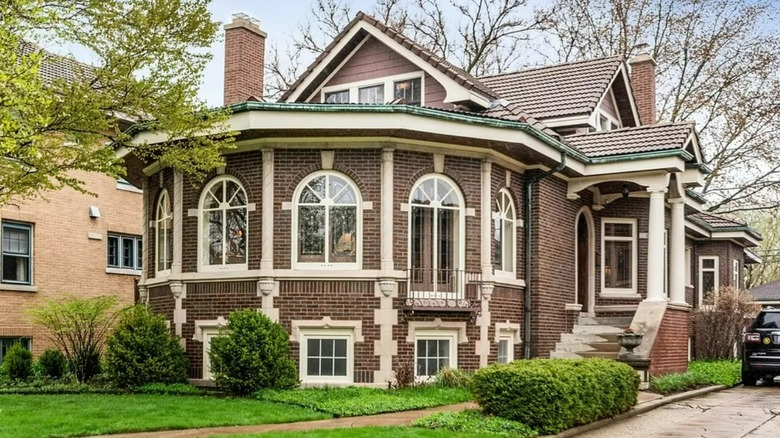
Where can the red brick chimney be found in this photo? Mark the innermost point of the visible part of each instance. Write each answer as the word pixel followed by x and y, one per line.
pixel 244 59
pixel 643 84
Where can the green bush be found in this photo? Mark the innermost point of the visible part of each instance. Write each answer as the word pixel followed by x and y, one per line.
pixel 252 353
pixel 53 364
pixel 718 372
pixel 142 350
pixel 172 389
pixel 473 423
pixel 17 362
pixel 551 395
pixel 674 383
pixel 453 378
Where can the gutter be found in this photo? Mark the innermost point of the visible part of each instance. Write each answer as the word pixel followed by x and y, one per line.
pixel 528 184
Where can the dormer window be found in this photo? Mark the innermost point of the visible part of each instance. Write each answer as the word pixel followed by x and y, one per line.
pixel 605 122
pixel 407 86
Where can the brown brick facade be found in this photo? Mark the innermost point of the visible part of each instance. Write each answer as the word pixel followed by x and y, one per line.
pixel 670 350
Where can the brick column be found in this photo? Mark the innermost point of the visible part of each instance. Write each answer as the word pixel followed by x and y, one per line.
pixel 655 245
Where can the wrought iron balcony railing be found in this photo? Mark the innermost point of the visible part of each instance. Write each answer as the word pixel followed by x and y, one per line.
pixel 442 290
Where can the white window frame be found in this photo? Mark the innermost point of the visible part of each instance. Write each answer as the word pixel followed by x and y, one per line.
pixel 424 335
pixel 688 266
pixel 503 215
pixel 306 334
pixel 702 270
pixel 735 277
pixel 460 251
pixel 30 256
pixel 358 263
pixel 613 291
pixel 208 333
pixel 203 243
pixel 387 81
pixel 509 338
pixel 158 228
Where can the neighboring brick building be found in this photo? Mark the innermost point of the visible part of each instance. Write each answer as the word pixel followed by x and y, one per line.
pixel 66 243
pixel 392 208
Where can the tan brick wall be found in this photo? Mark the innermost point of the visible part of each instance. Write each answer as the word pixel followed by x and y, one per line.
pixel 65 260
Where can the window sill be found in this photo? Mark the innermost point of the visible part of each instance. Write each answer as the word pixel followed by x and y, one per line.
pixel 502 278
pixel 620 295
pixel 18 287
pixel 123 271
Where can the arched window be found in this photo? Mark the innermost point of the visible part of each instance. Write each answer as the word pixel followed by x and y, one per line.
pixel 504 235
pixel 327 222
pixel 223 225
pixel 163 226
pixel 436 252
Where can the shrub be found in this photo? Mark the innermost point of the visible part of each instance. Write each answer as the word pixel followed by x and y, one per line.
pixel 674 383
pixel 252 353
pixel 17 362
pixel 473 423
pixel 53 364
pixel 78 327
pixel 404 375
pixel 453 378
pixel 142 350
pixel 718 372
pixel 172 389
pixel 718 326
pixel 551 395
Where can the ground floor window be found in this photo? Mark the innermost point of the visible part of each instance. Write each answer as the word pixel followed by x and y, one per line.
pixel 208 335
pixel 124 252
pixel 6 343
pixel 434 351
pixel 326 356
pixel 709 278
pixel 506 349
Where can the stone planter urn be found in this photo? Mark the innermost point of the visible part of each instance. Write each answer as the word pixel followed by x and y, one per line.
pixel 629 340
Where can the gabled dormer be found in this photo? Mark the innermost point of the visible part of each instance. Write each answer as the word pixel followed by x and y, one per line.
pixel 369 62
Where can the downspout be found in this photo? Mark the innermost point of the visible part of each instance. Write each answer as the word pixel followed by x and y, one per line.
pixel 528 183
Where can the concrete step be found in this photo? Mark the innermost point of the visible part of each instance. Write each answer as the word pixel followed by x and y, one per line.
pixel 615 321
pixel 612 347
pixel 596 329
pixel 585 338
pixel 564 355
pixel 604 354
pixel 572 347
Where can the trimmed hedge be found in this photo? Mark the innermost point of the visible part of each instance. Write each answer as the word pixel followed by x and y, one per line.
pixel 552 395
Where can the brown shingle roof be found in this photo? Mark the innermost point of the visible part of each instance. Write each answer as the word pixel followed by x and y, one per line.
pixel 715 222
pixel 557 90
pixel 649 138
pixel 459 75
pixel 55 67
pixel 766 292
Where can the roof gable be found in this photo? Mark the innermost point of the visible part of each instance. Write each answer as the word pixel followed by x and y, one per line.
pixel 459 85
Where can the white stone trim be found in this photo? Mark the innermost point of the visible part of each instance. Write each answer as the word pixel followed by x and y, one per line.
pixel 326 158
pixel 504 328
pixel 386 207
pixel 326 323
pixel 386 317
pixel 437 334
pixel 204 325
pixel 267 212
pixel 437 324
pixel 178 221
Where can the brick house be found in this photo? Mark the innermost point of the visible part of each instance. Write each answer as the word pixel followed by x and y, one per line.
pixel 66 243
pixel 392 209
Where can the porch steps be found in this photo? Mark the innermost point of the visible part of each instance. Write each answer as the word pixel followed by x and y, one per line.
pixel 592 337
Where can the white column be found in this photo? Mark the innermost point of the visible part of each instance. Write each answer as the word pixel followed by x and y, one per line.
pixel 655 245
pixel 486 262
pixel 178 220
pixel 145 233
pixel 677 252
pixel 267 247
pixel 386 244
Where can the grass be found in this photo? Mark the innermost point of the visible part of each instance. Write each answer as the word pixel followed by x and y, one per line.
pixel 39 416
pixel 366 432
pixel 700 374
pixel 474 423
pixel 353 401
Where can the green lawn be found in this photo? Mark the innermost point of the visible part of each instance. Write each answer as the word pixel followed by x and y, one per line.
pixel 367 432
pixel 39 416
pixel 353 401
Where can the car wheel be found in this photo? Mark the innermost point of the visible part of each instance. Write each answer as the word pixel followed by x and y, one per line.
pixel 748 378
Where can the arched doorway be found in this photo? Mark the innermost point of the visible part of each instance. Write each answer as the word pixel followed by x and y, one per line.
pixel 584 261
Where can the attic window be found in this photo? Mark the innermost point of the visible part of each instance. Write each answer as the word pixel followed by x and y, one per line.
pixel 373 94
pixel 337 97
pixel 409 89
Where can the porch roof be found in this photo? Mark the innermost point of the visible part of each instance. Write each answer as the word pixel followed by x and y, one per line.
pixel 641 139
pixel 719 224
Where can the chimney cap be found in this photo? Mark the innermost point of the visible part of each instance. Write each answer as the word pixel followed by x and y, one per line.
pixel 242 20
pixel 642 54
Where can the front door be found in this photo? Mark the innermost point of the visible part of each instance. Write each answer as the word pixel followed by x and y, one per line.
pixel 583 256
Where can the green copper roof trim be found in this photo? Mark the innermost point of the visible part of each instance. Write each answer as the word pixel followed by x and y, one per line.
pixel 700 166
pixel 711 229
pixel 643 156
pixel 695 195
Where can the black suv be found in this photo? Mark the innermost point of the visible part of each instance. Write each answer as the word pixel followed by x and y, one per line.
pixel 761 348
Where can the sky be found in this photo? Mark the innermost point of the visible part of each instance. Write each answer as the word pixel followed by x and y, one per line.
pixel 279 19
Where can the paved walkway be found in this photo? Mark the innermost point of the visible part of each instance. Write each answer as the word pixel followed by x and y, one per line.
pixel 393 419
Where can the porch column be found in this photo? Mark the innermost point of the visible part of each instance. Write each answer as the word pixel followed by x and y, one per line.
pixel 655 245
pixel 267 247
pixel 386 244
pixel 677 252
pixel 485 216
pixel 178 220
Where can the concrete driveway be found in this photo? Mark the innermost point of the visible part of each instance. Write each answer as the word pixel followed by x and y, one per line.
pixel 738 412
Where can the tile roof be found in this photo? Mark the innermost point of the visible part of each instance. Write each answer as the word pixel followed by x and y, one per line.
pixel 557 90
pixel 459 75
pixel 648 138
pixel 766 292
pixel 55 67
pixel 714 222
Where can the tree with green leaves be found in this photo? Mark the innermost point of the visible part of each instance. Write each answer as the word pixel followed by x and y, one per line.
pixel 59 116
